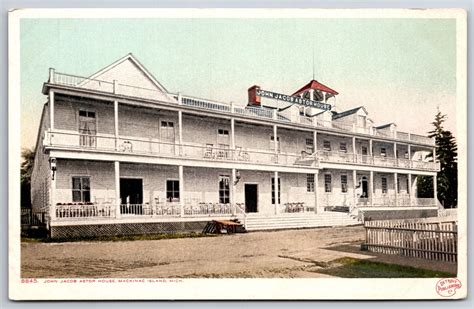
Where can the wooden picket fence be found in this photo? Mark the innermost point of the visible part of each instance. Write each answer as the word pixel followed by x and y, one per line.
pixel 426 239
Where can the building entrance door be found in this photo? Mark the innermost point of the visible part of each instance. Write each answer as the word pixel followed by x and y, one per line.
pixel 251 196
pixel 131 196
pixel 365 188
pixel 167 137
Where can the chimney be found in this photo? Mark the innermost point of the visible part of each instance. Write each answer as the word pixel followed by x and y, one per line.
pixel 254 100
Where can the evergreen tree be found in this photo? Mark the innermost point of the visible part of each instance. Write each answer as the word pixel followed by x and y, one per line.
pixel 446 154
pixel 28 157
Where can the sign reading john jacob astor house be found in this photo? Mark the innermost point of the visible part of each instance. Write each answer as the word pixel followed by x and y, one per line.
pixel 293 99
pixel 116 152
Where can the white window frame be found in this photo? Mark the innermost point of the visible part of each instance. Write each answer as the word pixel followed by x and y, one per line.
pixel 327 185
pixel 344 189
pixel 87 140
pixel 272 143
pixel 324 145
pixel 174 190
pixel 343 147
pixel 225 191
pixel 361 121
pixel 81 189
pixel 309 145
pixel 167 138
pixel 310 183
pixel 383 180
pixel 273 191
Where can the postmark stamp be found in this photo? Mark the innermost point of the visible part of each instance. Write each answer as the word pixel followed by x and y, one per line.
pixel 447 287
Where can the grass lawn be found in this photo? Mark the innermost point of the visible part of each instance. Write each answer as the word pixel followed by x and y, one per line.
pixel 354 268
pixel 120 238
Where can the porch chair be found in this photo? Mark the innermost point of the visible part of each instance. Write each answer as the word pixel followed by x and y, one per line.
pixel 208 151
pixel 241 155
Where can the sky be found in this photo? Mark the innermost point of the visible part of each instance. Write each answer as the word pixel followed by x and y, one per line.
pixel 401 70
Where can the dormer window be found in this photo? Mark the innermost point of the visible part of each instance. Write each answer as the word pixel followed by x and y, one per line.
pixel 361 121
pixel 302 113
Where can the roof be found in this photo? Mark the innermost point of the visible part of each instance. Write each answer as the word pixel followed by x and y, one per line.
pixel 348 112
pixel 135 61
pixel 314 84
pixel 317 114
pixel 386 125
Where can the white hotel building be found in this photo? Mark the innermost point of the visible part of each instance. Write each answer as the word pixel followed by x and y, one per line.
pixel 117 153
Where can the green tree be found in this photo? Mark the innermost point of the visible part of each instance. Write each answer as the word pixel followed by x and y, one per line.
pixel 446 154
pixel 28 157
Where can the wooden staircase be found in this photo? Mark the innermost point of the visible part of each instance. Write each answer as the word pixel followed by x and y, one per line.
pixel 259 222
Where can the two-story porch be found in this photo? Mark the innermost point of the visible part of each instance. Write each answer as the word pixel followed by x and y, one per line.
pixel 261 160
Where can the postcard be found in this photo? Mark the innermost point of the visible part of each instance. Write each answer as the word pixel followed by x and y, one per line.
pixel 283 154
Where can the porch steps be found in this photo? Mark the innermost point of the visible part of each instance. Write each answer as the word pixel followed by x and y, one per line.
pixel 292 221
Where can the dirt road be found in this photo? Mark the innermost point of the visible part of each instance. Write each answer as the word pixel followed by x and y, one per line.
pixel 284 254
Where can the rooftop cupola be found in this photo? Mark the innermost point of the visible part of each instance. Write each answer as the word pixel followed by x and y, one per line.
pixel 315 91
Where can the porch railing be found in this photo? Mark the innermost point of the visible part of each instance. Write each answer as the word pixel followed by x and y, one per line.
pixel 152 94
pixel 100 211
pixel 297 207
pixel 254 112
pixel 399 201
pixel 84 211
pixel 206 104
pixel 335 156
pixel 220 153
pixel 343 157
pixel 403 136
pixel 421 139
pixel 166 149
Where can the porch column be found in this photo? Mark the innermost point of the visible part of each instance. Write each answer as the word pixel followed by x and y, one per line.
pixel 116 127
pixel 415 190
pixel 180 132
pixel 181 190
pixel 232 137
pixel 371 153
pixel 315 141
pixel 52 197
pixel 409 190
pixel 117 188
pixel 395 157
pixel 354 152
pixel 232 192
pixel 316 176
pixel 51 109
pixel 396 184
pixel 371 188
pixel 275 138
pixel 409 156
pixel 354 178
pixel 276 193
pixel 435 189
